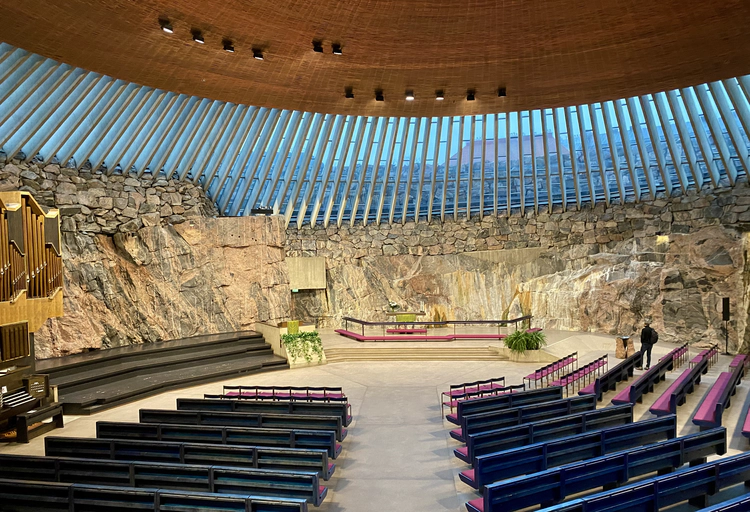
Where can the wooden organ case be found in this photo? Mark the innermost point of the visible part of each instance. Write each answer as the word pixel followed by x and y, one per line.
pixel 30 293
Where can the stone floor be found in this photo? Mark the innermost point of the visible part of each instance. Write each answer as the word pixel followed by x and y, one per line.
pixel 398 455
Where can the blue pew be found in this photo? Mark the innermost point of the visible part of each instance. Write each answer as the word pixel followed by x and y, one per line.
pixel 739 504
pixel 56 496
pixel 492 420
pixel 608 381
pixel 214 479
pixel 240 405
pixel 645 383
pixel 675 394
pixel 522 435
pixel 289 438
pixel 244 419
pixel 537 457
pixel 692 485
pixel 718 398
pixel 504 401
pixel 260 457
pixel 554 485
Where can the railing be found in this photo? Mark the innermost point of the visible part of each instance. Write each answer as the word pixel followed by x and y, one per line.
pixel 438 323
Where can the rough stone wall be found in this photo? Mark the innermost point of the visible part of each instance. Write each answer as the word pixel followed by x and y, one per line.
pixel 145 260
pixel 603 269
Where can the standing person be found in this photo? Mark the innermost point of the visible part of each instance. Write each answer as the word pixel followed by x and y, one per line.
pixel 647 343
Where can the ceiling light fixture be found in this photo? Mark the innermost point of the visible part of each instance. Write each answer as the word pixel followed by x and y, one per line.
pixel 336 49
pixel 439 96
pixel 409 95
pixel 198 37
pixel 470 95
pixel 349 93
pixel 257 54
pixel 228 46
pixel 166 26
pixel 317 46
pixel 379 95
pixel 501 92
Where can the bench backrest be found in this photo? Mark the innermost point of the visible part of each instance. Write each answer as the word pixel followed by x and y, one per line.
pixel 289 438
pixel 188 453
pixel 216 479
pixel 482 422
pixel 243 419
pixel 541 456
pixel 238 405
pixel 67 496
pixel 556 484
pixel 660 492
pixel 521 435
pixel 508 400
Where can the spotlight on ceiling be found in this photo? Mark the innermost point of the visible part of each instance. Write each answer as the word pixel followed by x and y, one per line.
pixel 228 46
pixel 501 92
pixel 470 95
pixel 379 95
pixel 336 48
pixel 409 95
pixel 317 46
pixel 198 37
pixel 166 26
pixel 439 95
pixel 349 93
pixel 257 54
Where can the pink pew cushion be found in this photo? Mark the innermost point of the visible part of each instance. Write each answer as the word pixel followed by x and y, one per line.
pixel 623 397
pixel 477 504
pixel 706 411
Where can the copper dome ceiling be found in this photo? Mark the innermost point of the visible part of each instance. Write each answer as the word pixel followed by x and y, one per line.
pixel 546 53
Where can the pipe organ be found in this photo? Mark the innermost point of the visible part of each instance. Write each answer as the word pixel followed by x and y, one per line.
pixel 30 293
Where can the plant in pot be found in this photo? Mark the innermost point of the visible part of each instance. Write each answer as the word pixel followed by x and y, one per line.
pixel 521 341
pixel 303 345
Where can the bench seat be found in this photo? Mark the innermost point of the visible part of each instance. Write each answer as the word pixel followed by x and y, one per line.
pixel 739 359
pixel 706 414
pixel 661 405
pixel 476 505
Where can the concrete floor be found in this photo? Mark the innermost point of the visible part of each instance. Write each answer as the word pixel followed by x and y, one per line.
pixel 398 455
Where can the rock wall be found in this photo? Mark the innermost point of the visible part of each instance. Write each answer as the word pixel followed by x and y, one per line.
pixel 603 269
pixel 145 260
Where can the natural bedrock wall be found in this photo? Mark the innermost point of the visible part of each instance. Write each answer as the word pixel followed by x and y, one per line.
pixel 145 260
pixel 601 269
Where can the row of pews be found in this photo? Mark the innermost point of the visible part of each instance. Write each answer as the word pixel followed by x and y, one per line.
pixel 235 451
pixel 538 448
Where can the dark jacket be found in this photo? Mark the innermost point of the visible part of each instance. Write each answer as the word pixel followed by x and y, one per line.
pixel 646 333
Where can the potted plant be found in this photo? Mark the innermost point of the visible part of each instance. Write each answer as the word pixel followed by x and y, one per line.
pixel 303 344
pixel 521 341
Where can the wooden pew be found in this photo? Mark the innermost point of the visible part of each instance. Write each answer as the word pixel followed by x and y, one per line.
pixel 692 485
pixel 504 401
pixel 243 419
pixel 609 380
pixel 584 374
pixel 739 504
pixel 542 456
pixel 554 485
pixel 718 398
pixel 311 408
pixel 56 496
pixel 288 438
pixel 645 383
pixel 522 435
pixel 475 387
pixel 493 420
pixel 215 479
pixel 260 457
pixel 675 394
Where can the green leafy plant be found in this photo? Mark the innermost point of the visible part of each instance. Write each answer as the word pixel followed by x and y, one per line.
pixel 303 344
pixel 521 341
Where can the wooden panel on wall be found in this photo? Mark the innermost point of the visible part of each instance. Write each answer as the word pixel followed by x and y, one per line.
pixel 307 273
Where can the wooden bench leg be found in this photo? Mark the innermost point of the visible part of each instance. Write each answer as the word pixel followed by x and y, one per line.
pixel 22 430
pixel 699 501
pixel 698 462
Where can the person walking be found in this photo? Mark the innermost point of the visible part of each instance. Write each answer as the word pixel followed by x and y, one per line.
pixel 647 343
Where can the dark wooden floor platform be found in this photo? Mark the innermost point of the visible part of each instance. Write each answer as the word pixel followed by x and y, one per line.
pixel 95 381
